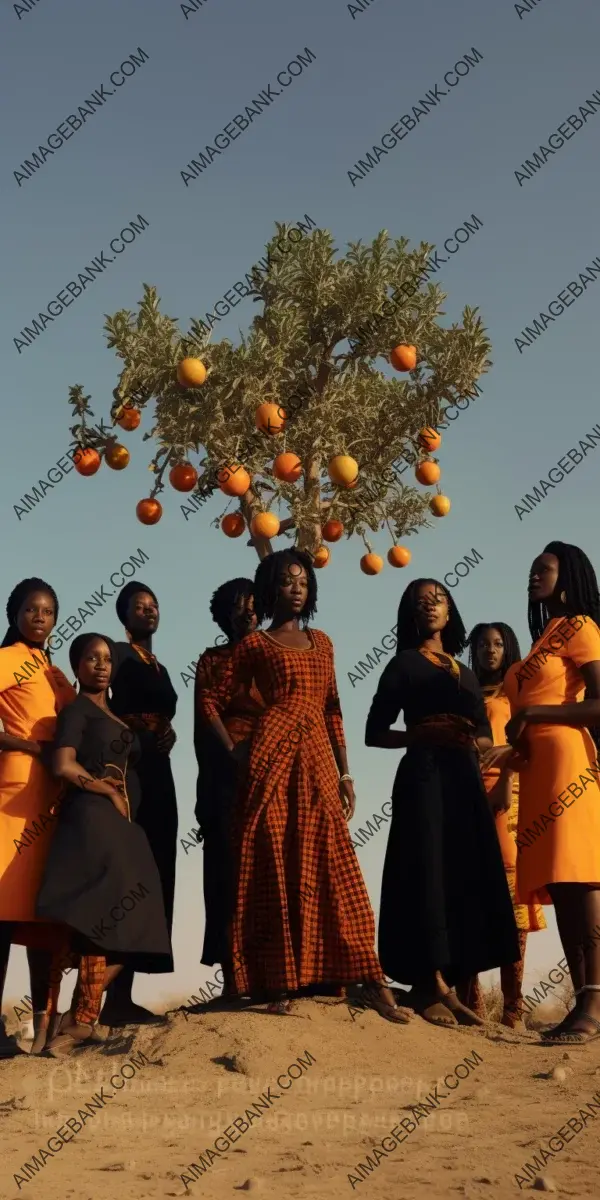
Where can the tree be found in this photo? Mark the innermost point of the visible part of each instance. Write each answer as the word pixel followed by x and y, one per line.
pixel 312 349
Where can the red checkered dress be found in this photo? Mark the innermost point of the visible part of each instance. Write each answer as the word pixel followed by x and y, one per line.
pixel 302 913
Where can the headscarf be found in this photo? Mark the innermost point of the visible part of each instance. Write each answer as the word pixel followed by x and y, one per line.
pixel 125 595
pixel 79 646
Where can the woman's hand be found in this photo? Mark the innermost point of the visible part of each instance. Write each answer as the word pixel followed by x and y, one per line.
pixel 119 801
pixel 166 740
pixel 240 753
pixel 497 756
pixel 516 726
pixel 347 798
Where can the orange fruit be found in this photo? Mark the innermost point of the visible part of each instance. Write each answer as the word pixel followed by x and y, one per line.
pixel 264 524
pixel 130 418
pixel 440 506
pixel 233 524
pixel 427 472
pixel 233 479
pixel 429 439
pixel 87 461
pixel 183 477
pixel 332 531
pixel 191 373
pixel 270 418
pixel 343 470
pixel 322 556
pixel 287 467
pixel 149 511
pixel 398 556
pixel 371 564
pixel 117 457
pixel 403 357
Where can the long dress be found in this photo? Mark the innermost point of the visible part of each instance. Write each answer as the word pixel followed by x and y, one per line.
pixel 216 789
pixel 100 877
pixel 445 903
pixel 558 838
pixel 32 693
pixel 143 696
pixel 302 913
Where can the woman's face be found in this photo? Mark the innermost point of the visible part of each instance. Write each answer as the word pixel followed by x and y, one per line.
pixel 432 610
pixel 36 617
pixel 142 614
pixel 95 666
pixel 543 578
pixel 293 588
pixel 243 616
pixel 490 649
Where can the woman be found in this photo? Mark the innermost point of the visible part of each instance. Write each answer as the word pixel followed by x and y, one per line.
pixel 554 696
pixel 492 650
pixel 232 609
pixel 99 857
pixel 302 914
pixel 445 911
pixel 32 693
pixel 144 698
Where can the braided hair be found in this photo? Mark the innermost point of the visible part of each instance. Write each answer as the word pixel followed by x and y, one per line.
pixel 16 600
pixel 224 599
pixel 577 579
pixel 409 636
pixel 512 651
pixel 266 583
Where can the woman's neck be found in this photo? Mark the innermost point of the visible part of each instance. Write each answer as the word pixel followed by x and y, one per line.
pixel 284 624
pixel 144 640
pixel 98 698
pixel 433 642
pixel 491 678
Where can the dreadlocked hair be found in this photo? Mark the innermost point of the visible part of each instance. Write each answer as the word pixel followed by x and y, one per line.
pixel 512 651
pixel 224 600
pixel 266 583
pixel 409 637
pixel 16 601
pixel 577 579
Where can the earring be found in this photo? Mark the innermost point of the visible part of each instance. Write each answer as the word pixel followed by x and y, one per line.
pixel 563 597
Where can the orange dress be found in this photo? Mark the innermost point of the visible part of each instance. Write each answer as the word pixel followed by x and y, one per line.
pixel 28 709
pixel 529 917
pixel 558 839
pixel 302 911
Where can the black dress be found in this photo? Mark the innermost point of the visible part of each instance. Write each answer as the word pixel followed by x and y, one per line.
pixel 100 876
pixel 143 691
pixel 445 903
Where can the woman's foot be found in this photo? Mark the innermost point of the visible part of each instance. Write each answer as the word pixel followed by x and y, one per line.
pixel 281 1007
pixel 463 1015
pixel 70 1035
pixel 41 1032
pixel 432 1009
pixel 129 1014
pixel 9 1046
pixel 381 998
pixel 512 1020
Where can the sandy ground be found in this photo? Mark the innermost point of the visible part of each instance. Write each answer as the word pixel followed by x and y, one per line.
pixel 205 1071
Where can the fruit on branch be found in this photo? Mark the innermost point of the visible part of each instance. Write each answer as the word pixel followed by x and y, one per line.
pixel 332 531
pixel 404 357
pixel 191 373
pixel 265 524
pixel 398 556
pixel 440 506
pixel 233 525
pixel 427 472
pixel 287 467
pixel 343 470
pixel 117 457
pixel 233 480
pixel 270 418
pixel 322 557
pixel 371 564
pixel 429 439
pixel 148 511
pixel 183 477
pixel 130 418
pixel 87 461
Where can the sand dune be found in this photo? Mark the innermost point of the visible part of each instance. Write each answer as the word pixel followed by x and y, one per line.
pixel 194 1077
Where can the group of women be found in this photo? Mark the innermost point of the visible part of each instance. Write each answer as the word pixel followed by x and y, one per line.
pixel 495 804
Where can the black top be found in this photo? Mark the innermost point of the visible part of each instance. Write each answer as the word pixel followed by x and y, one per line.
pixel 412 685
pixel 99 741
pixel 138 687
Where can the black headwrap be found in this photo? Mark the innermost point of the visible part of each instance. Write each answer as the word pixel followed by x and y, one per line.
pixel 125 595
pixel 16 600
pixel 79 646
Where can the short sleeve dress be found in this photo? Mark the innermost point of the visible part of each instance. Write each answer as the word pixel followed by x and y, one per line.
pixel 445 903
pixel 100 877
pixel 32 694
pixel 558 838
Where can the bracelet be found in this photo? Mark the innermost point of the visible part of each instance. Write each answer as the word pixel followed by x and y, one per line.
pixel 348 777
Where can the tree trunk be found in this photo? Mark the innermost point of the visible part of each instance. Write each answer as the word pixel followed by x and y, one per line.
pixel 309 535
pixel 250 506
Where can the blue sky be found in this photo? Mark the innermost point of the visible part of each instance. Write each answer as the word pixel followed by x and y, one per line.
pixel 369 70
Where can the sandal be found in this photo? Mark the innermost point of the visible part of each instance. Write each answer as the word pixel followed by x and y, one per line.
pixel 576 1037
pixel 463 1015
pixel 436 1013
pixel 389 1012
